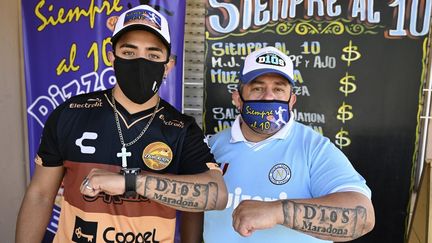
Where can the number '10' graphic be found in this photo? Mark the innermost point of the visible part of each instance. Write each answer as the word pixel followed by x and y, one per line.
pixel 414 11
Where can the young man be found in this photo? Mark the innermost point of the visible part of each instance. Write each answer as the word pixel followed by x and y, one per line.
pixel 286 183
pixel 128 160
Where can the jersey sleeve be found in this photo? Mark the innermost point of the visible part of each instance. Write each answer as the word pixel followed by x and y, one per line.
pixel 49 152
pixel 331 171
pixel 195 153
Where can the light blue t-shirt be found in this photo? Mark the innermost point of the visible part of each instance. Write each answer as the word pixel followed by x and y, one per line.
pixel 295 163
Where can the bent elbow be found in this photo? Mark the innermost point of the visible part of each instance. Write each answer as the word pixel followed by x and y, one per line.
pixel 370 220
pixel 219 198
pixel 219 191
pixel 369 225
pixel 222 201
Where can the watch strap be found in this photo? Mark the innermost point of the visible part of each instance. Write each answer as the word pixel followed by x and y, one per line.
pixel 130 176
pixel 130 184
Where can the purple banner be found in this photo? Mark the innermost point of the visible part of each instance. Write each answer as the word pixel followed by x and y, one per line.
pixel 65 45
pixel 65 54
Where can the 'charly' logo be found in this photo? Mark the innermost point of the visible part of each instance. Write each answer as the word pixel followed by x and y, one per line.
pixel 84 231
pixel 271 59
pixel 157 156
pixel 280 174
pixel 86 136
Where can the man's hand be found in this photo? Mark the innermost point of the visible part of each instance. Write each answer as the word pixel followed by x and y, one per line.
pixel 251 215
pixel 99 180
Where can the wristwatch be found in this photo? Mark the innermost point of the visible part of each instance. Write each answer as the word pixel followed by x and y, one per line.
pixel 130 175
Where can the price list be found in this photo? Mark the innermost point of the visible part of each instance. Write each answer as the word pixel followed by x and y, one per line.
pixel 358 70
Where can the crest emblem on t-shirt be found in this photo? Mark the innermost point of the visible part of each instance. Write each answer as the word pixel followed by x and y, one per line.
pixel 84 231
pixel 157 155
pixel 280 174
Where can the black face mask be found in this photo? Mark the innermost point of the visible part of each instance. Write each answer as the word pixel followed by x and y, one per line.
pixel 139 78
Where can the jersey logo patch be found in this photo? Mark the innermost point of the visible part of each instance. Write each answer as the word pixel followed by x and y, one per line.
pixel 280 174
pixel 84 231
pixel 157 156
pixel 174 123
pixel 90 103
pixel 86 136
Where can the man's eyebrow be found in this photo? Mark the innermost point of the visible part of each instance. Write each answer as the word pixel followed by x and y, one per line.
pixel 256 81
pixel 282 82
pixel 129 46
pixel 155 49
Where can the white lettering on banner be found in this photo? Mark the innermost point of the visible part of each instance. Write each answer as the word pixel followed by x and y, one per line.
pixel 235 198
pixel 44 104
pixel 409 18
pixel 221 113
pixel 301 90
pixel 308 117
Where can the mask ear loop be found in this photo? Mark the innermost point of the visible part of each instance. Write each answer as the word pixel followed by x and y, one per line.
pixel 241 97
pixel 291 92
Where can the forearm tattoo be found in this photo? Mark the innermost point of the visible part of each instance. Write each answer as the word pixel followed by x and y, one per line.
pixel 324 220
pixel 181 194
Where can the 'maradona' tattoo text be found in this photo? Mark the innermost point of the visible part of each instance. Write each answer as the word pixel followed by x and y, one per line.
pixel 180 193
pixel 324 220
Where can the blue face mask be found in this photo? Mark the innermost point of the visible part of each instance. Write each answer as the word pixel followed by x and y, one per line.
pixel 265 116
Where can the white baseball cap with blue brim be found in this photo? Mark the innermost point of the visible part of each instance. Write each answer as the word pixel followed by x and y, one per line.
pixel 146 18
pixel 264 61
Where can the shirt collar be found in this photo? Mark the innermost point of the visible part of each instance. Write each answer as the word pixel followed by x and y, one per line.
pixel 237 135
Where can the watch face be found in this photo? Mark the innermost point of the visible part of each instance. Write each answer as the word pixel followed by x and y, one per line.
pixel 134 171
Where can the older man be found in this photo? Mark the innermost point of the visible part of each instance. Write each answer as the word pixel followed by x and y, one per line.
pixel 286 182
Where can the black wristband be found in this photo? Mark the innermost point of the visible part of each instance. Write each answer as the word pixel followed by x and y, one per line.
pixel 130 175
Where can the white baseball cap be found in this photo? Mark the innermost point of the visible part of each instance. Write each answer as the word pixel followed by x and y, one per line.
pixel 143 17
pixel 267 60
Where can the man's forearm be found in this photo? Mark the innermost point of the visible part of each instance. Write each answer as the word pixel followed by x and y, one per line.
pixel 37 205
pixel 181 194
pixel 185 193
pixel 335 223
pixel 32 220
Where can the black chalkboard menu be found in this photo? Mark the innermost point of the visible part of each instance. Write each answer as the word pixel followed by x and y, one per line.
pixel 359 69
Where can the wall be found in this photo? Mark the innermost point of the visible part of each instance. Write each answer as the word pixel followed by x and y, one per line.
pixel 12 143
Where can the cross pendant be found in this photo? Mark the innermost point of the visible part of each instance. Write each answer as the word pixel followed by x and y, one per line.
pixel 123 154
